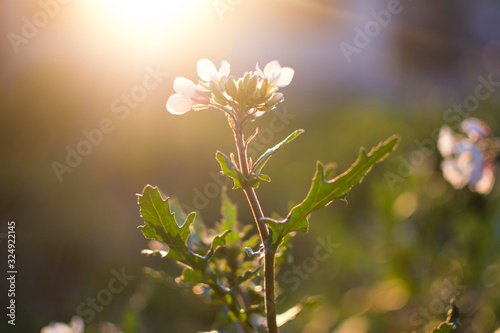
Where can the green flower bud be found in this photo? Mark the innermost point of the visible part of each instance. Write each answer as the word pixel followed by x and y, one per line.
pixel 251 89
pixel 215 89
pixel 231 88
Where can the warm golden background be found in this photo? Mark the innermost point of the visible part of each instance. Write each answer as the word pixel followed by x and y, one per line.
pixel 400 243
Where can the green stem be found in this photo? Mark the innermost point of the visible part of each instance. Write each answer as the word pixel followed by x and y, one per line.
pixel 269 278
pixel 232 307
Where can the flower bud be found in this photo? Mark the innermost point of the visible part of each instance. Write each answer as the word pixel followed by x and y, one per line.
pixel 276 99
pixel 215 89
pixel 251 89
pixel 231 88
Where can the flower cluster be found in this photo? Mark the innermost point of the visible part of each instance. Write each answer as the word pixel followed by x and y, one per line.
pixel 251 95
pixel 469 159
pixel 76 326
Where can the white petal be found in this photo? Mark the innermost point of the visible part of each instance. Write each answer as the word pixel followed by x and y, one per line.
pixel 184 87
pixel 77 324
pixel 446 141
pixel 206 70
pixel 485 184
pixel 475 128
pixel 453 174
pixel 178 104
pixel 272 71
pixel 224 69
pixel 285 77
pixel 259 72
pixel 259 113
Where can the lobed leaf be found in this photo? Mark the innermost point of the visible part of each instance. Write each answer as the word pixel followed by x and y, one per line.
pixel 160 224
pixel 324 191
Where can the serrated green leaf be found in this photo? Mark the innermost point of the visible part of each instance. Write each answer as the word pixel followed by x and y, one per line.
pixel 160 224
pixel 261 161
pixel 229 169
pixel 324 191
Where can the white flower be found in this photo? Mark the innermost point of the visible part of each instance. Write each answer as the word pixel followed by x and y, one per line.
pixel 278 76
pixel 446 141
pixel 464 162
pixel 188 96
pixel 208 72
pixel 76 326
pixel 475 128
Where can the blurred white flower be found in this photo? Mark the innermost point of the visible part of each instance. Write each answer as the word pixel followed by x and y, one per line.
pixel 208 72
pixel 446 141
pixel 188 97
pixel 278 76
pixel 76 326
pixel 475 128
pixel 465 160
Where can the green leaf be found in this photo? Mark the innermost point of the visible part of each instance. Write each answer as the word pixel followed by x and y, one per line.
pixel 324 191
pixel 443 328
pixel 190 276
pixel 261 161
pixel 248 275
pixel 229 169
pixel 160 224
pixel 290 314
pixel 218 241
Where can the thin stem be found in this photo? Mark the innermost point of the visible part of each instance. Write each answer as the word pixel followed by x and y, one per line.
pixel 231 307
pixel 269 278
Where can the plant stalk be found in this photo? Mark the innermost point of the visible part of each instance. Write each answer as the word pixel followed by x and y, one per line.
pixel 269 278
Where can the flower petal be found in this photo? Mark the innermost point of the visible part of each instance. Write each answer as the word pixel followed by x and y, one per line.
pixel 259 72
pixel 454 174
pixel 485 184
pixel 178 104
pixel 285 77
pixel 206 70
pixel 446 141
pixel 475 128
pixel 224 70
pixel 184 87
pixel 272 70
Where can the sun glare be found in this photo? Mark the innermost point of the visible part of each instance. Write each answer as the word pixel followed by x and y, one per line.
pixel 148 21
